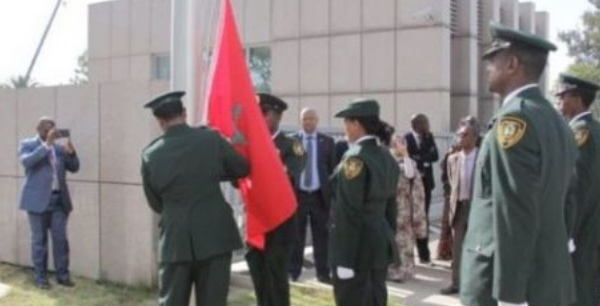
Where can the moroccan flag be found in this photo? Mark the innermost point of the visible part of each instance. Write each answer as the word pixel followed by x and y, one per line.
pixel 232 108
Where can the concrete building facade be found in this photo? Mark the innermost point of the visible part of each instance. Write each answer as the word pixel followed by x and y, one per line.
pixel 411 55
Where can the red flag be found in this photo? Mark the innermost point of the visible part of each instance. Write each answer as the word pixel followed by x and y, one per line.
pixel 232 109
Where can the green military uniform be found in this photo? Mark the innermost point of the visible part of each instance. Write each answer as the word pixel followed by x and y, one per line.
pixel 181 173
pixel 363 217
pixel 269 267
pixel 583 201
pixel 515 249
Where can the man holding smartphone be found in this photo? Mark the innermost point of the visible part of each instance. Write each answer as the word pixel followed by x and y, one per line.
pixel 46 199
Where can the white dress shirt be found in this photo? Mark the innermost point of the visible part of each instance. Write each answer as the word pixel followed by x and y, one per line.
pixel 466 174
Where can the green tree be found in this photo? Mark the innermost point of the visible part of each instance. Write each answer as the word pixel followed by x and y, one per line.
pixel 81 71
pixel 584 47
pixel 19 82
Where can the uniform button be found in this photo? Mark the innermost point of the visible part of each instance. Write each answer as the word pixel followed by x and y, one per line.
pixel 478 248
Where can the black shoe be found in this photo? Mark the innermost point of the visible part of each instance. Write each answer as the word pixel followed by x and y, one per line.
pixel 325 279
pixel 44 285
pixel 66 282
pixel 450 290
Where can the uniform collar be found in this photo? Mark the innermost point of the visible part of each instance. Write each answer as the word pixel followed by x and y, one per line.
pixel 275 134
pixel 517 91
pixel 364 139
pixel 579 116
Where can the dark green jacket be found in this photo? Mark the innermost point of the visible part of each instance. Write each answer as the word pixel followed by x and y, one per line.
pixel 293 158
pixel 515 249
pixel 363 211
pixel 181 172
pixel 583 209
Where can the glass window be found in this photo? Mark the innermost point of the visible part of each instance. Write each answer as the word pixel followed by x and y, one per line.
pixel 161 69
pixel 259 63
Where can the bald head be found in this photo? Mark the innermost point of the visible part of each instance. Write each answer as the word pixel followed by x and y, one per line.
pixel 45 124
pixel 309 119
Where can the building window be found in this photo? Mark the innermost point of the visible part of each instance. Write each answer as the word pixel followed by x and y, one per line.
pixel 259 64
pixel 161 67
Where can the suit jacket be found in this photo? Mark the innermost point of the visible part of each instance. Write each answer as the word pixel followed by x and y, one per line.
pixel 454 165
pixel 325 162
pixel 181 174
pixel 515 249
pixel 425 155
pixel 293 157
pixel 364 210
pixel 341 146
pixel 37 187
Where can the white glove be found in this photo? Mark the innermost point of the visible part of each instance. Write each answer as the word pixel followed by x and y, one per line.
pixel 571 245
pixel 344 273
pixel 500 303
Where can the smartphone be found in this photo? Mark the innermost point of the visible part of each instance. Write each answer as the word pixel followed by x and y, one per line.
pixel 63 133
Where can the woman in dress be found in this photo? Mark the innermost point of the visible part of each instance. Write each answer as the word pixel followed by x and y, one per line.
pixel 412 223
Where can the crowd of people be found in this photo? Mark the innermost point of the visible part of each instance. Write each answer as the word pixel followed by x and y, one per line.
pixel 520 220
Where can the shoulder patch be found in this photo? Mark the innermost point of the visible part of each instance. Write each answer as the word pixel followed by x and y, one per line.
pixel 582 135
pixel 298 149
pixel 510 131
pixel 352 167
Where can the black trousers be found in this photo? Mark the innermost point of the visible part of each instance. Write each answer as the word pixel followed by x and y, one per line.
pixel 210 278
pixel 311 207
pixel 366 288
pixel 423 243
pixel 269 272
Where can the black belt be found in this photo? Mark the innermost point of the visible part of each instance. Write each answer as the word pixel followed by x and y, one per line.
pixel 310 192
pixel 55 191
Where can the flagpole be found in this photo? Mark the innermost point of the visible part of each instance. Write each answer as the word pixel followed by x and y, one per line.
pixel 183 45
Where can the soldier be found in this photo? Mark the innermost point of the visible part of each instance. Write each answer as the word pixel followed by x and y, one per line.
pixel 583 209
pixel 363 212
pixel 269 267
pixel 181 172
pixel 515 250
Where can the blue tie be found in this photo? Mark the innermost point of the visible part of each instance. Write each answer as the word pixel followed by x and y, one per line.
pixel 308 173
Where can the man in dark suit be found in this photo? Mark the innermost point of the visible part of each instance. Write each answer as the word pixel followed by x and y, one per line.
pixel 46 199
pixel 515 250
pixel 423 150
pixel 313 195
pixel 583 206
pixel 340 148
pixel 181 175
pixel 269 267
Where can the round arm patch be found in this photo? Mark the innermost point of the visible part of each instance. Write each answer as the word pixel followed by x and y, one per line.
pixel 509 131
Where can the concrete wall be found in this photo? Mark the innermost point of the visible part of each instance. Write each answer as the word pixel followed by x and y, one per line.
pixel 111 229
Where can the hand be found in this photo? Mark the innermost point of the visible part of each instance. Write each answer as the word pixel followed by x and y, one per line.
pixel 51 137
pixel 69 147
pixel 571 246
pixel 512 304
pixel 344 273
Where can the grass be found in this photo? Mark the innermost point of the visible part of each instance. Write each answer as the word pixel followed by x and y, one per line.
pixel 92 293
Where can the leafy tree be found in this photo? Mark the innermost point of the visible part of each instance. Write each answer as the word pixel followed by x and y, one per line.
pixel 20 82
pixel 81 71
pixel 584 47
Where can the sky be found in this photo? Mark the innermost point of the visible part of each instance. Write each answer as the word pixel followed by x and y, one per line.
pixel 22 23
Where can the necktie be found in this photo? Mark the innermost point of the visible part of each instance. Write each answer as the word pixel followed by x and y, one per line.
pixel 308 173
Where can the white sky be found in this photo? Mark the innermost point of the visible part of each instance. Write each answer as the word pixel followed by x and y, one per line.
pixel 22 23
